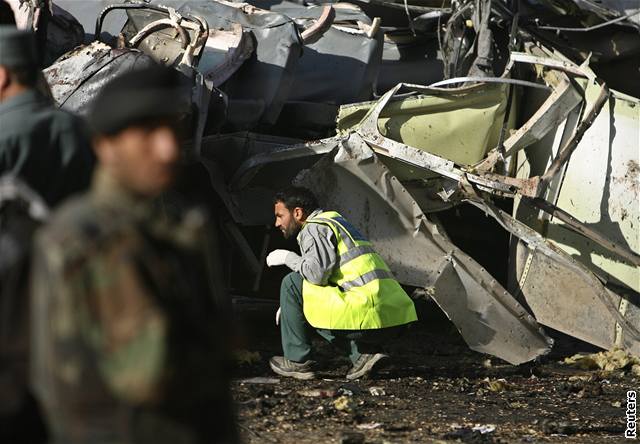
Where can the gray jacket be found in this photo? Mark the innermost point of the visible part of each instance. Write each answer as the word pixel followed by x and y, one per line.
pixel 318 245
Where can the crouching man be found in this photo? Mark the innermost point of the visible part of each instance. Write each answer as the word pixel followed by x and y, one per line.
pixel 340 286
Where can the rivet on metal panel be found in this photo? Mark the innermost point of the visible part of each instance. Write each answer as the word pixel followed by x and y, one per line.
pixel 622 308
pixel 527 266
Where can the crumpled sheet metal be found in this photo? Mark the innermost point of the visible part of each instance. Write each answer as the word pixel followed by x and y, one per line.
pixel 459 124
pixel 550 279
pixel 77 77
pixel 247 169
pixel 223 54
pixel 604 198
pixel 575 302
pixel 342 66
pixel 556 108
pixel 616 310
pixel 356 183
pixel 63 31
pixel 86 13
pixel 264 81
pixel 409 59
pixel 353 54
pixel 564 294
pixel 259 87
pixel 589 11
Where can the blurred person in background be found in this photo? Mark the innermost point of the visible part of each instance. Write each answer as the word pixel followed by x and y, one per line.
pixel 128 343
pixel 48 148
pixel 44 153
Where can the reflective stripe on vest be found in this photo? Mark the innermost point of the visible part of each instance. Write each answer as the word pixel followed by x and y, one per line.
pixel 355 252
pixel 366 278
pixel 362 292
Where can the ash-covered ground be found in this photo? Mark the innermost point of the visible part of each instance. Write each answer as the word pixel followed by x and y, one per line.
pixel 436 390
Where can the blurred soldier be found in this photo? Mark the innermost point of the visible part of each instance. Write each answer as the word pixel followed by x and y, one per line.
pixel 21 212
pixel 50 151
pixel 340 286
pixel 48 148
pixel 127 343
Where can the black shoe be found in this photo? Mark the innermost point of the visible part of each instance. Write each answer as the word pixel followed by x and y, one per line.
pixel 364 364
pixel 298 370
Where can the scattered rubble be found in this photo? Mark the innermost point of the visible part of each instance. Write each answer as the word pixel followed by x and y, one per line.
pixel 369 426
pixel 318 393
pixel 344 404
pixel 428 403
pixel 608 361
pixel 499 385
pixel 259 380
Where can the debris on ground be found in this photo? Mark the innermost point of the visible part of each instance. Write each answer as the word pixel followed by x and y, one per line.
pixel 318 393
pixel 350 389
pixel 377 391
pixel 369 425
pixel 497 385
pixel 246 357
pixel 344 404
pixel 608 361
pixel 469 435
pixel 259 380
pixel 435 390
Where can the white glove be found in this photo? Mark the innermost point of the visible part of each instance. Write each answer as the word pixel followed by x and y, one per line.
pixel 278 316
pixel 277 257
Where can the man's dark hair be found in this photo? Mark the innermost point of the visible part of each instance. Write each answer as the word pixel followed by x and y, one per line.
pixel 293 197
pixel 25 76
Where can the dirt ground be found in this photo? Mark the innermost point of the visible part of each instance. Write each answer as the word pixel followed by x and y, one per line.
pixel 436 390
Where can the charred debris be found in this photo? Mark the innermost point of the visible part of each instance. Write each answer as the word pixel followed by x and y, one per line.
pixel 488 148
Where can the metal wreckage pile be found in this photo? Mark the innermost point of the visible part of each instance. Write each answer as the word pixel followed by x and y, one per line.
pixel 506 106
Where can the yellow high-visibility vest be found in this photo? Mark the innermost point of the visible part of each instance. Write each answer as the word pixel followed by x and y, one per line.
pixel 362 293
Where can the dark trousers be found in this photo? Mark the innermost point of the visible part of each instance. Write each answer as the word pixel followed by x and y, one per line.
pixel 296 332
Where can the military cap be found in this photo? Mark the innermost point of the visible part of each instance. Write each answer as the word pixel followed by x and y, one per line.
pixel 136 96
pixel 17 48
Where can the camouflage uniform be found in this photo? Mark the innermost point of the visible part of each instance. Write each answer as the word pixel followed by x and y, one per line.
pixel 127 342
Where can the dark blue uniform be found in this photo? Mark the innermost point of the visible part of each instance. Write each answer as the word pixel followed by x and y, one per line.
pixel 48 148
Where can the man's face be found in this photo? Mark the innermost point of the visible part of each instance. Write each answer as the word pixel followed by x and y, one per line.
pixel 143 159
pixel 288 221
pixel 9 87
